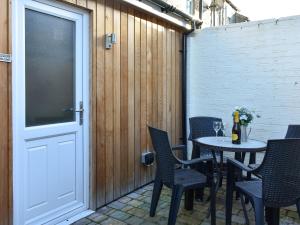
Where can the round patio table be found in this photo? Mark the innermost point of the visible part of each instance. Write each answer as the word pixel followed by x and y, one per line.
pixel 225 144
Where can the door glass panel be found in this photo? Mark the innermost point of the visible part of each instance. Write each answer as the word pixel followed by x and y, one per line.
pixel 49 69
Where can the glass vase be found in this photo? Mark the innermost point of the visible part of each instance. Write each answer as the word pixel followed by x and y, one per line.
pixel 244 133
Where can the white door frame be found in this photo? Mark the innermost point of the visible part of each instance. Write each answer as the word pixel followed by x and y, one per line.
pixel 17 69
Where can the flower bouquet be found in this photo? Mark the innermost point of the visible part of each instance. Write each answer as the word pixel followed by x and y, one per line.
pixel 246 117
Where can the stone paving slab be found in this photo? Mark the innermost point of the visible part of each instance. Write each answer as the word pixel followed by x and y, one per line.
pixel 133 209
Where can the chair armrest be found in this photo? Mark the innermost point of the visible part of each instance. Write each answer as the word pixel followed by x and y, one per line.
pixel 179 147
pixel 194 161
pixel 254 166
pixel 240 165
pixel 182 150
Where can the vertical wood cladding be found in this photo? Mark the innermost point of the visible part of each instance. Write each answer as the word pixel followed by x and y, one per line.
pixel 134 84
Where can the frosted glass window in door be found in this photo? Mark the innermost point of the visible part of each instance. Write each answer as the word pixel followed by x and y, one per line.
pixel 49 69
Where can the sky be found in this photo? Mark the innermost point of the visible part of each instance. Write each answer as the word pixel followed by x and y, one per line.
pixel 268 9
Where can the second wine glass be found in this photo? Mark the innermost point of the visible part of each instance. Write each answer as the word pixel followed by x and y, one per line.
pixel 217 127
pixel 223 128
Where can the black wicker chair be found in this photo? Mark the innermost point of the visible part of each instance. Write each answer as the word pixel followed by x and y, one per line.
pixel 181 151
pixel 294 132
pixel 279 186
pixel 179 180
pixel 202 126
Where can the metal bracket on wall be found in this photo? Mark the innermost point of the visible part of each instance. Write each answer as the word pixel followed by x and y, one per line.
pixel 5 58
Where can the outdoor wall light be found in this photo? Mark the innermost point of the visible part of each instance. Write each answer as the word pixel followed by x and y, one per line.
pixel 110 39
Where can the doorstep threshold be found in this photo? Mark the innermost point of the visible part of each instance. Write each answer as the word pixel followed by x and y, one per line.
pixel 77 217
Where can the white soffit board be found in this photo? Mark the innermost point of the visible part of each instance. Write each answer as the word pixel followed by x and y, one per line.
pixel 145 7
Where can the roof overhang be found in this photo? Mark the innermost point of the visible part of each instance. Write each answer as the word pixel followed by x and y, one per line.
pixel 148 8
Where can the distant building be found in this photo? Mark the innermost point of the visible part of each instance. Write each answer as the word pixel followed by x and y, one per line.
pixel 211 12
pixel 216 12
pixel 238 18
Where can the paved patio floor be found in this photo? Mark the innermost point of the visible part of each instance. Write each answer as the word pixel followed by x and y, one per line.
pixel 134 209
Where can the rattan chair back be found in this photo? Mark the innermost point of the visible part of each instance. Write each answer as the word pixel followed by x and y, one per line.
pixel 202 126
pixel 164 156
pixel 281 173
pixel 293 131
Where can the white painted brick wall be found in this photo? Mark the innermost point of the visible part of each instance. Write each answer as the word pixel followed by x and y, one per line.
pixel 254 64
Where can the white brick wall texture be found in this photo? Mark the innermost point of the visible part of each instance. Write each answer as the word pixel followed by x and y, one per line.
pixel 256 65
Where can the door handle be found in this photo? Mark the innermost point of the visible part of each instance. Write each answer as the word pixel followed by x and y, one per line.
pixel 72 110
pixel 80 111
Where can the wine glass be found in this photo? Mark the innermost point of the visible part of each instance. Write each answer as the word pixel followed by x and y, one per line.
pixel 223 128
pixel 217 127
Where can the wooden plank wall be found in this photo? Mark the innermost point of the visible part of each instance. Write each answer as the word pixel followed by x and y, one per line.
pixel 138 84
pixel 134 84
pixel 5 124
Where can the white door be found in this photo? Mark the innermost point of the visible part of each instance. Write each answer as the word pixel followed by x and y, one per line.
pixel 50 112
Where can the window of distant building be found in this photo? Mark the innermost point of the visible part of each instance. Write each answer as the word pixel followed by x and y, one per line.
pixel 190 6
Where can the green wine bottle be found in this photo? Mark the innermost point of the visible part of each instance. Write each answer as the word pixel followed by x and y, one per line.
pixel 236 129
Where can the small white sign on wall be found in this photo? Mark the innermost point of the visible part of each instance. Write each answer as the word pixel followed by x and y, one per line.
pixel 5 58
